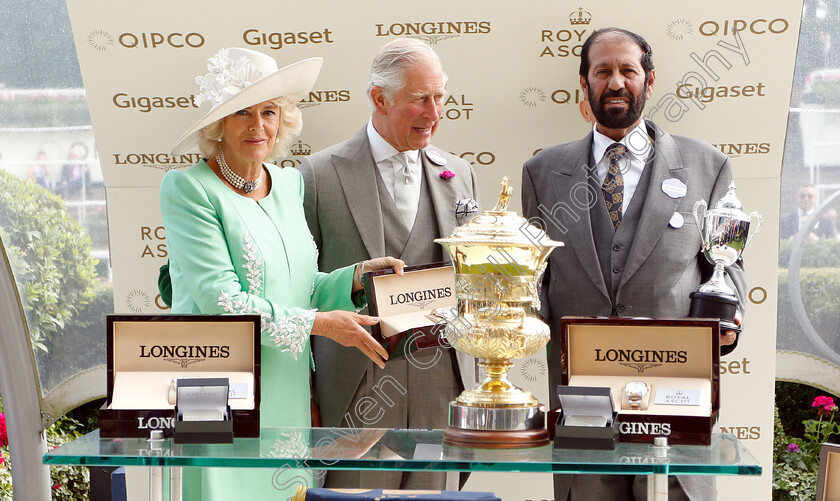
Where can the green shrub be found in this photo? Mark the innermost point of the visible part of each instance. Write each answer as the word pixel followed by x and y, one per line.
pixel 820 254
pixel 69 483
pixel 50 255
pixel 820 288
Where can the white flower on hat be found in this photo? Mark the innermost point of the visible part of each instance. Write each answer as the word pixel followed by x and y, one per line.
pixel 226 78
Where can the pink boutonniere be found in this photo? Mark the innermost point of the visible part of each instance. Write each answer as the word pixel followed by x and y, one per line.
pixel 447 175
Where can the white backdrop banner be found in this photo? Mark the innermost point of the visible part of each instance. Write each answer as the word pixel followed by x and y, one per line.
pixel 724 73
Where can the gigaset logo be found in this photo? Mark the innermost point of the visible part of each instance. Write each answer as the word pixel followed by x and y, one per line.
pixel 278 40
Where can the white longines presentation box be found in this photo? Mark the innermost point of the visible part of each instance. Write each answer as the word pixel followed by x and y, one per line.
pixel 662 373
pixel 149 356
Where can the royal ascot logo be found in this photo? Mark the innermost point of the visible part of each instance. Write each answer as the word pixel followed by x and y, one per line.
pixel 301 149
pixel 163 161
pixel 137 301
pixel 420 298
pixel 457 107
pixel 580 17
pixel 533 96
pixel 532 369
pixel 146 104
pixel 277 40
pixel 678 29
pixel 102 40
pixel 317 97
pixel 434 32
pixel 735 150
pixel 727 27
pixel 184 355
pixel 154 241
pixel 566 42
pixel 641 360
pixel 477 158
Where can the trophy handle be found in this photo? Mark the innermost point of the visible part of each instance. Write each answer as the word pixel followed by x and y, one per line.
pixel 698 217
pixel 753 233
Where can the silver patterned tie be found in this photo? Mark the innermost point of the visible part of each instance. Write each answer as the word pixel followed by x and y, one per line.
pixel 406 192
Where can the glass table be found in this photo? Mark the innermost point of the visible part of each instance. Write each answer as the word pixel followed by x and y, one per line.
pixel 407 450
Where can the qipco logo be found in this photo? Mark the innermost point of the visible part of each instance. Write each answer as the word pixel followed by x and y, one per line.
pixel 158 40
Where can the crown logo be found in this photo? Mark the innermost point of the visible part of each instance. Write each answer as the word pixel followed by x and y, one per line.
pixel 580 16
pixel 301 148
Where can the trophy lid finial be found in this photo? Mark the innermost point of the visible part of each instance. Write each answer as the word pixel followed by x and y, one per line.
pixel 504 196
pixel 729 201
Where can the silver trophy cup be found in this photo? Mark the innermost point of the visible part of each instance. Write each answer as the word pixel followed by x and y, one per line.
pixel 725 231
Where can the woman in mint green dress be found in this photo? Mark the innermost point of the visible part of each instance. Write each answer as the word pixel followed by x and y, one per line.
pixel 238 242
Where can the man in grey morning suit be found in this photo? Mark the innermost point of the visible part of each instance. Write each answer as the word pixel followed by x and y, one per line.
pixel 645 259
pixel 381 193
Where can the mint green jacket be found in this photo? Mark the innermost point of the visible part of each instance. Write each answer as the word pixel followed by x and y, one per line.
pixel 231 254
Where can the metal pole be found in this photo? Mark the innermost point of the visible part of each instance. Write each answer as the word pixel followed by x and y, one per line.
pixel 21 396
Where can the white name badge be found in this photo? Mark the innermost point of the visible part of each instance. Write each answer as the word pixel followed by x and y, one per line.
pixel 237 390
pixel 676 396
pixel 674 188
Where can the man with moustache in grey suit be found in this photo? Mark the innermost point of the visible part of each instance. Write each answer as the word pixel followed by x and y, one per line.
pixel 624 212
pixel 381 193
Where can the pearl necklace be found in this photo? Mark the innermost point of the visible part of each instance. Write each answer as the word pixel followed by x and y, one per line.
pixel 235 179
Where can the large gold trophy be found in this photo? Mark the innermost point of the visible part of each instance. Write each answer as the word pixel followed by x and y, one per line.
pixel 499 259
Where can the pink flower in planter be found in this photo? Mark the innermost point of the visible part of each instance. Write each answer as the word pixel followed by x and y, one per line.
pixel 824 404
pixel 793 448
pixel 4 437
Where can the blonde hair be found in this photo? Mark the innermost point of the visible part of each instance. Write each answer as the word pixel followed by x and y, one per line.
pixel 291 123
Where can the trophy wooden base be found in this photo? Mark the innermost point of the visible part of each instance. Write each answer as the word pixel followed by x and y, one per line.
pixel 484 439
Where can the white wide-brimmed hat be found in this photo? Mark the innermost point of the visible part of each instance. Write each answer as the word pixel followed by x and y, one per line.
pixel 240 78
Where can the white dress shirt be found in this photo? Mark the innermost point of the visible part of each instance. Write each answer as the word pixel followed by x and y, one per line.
pixel 639 147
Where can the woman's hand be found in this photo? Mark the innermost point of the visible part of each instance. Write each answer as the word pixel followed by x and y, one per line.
pixel 345 328
pixel 376 264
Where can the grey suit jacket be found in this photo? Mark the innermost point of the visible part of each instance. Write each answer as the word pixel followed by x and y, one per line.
pixel 664 264
pixel 344 215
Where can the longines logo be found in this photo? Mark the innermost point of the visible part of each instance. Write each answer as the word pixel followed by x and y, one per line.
pixel 678 29
pixel 278 40
pixel 184 355
pixel 155 423
pixel 755 26
pixel 734 150
pixel 434 32
pixel 145 104
pixel 102 40
pixel 569 41
pixel 641 360
pixel 163 161
pixel 532 96
pixel 420 298
pixel 317 97
pixel 455 108
pixel 626 428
